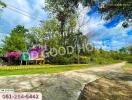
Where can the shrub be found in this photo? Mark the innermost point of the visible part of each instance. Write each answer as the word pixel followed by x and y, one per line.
pixel 102 60
pixel 62 60
pixel 84 59
pixel 129 59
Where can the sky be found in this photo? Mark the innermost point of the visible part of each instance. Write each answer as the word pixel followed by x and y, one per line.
pixel 108 35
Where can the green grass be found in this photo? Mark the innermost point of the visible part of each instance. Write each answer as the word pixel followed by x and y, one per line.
pixel 41 69
pixel 128 65
pixel 128 68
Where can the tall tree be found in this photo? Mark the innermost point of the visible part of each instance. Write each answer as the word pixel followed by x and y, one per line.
pixel 123 50
pixel 16 40
pixel 62 10
pixel 47 33
pixel 108 8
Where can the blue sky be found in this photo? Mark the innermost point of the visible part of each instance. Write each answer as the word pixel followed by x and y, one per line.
pixel 105 34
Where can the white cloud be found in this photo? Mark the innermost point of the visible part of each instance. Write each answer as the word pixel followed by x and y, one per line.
pixel 91 26
pixel 98 33
pixel 31 14
pixel 10 10
pixel 82 16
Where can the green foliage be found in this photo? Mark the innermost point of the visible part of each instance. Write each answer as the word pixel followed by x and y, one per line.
pixel 112 7
pixel 60 9
pixel 72 59
pixel 126 54
pixel 16 40
pixel 102 60
pixel 47 33
pixel 1 50
pixel 85 59
pixel 95 56
pixel 2 4
pixel 60 31
pixel 20 30
pixel 127 57
pixel 115 8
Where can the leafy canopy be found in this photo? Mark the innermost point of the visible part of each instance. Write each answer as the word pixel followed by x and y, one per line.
pixel 2 4
pixel 16 40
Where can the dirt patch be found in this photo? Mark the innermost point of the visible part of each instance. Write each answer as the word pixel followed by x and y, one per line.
pixel 106 89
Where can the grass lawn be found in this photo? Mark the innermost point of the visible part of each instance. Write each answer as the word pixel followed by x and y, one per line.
pixel 128 68
pixel 41 69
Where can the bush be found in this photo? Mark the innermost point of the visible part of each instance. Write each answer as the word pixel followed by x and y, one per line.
pixel 128 58
pixel 73 59
pixel 98 60
pixel 102 60
pixel 62 60
pixel 84 59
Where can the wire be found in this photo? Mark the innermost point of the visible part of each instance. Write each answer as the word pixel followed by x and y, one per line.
pixel 22 12
pixel 18 8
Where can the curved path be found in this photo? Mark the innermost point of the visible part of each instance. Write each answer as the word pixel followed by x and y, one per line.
pixel 61 86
